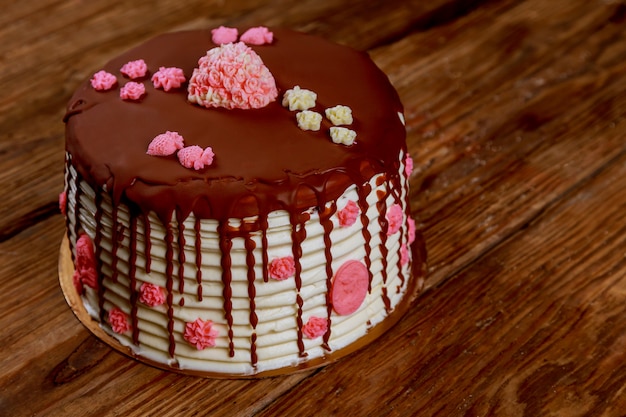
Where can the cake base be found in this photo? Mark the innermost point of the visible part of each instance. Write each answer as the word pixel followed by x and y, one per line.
pixel 416 283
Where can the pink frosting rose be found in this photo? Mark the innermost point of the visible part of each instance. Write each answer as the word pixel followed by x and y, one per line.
pixel 315 327
pixel 348 215
pixel 232 76
pixel 195 157
pixel 404 254
pixel 134 69
pixel 168 78
pixel 118 321
pixel 200 333
pixel 257 36
pixel 223 34
pixel 411 224
pixel 151 295
pixel 84 264
pixel 408 165
pixel 349 288
pixel 102 81
pixel 165 144
pixel 394 218
pixel 63 202
pixel 132 91
pixel 282 268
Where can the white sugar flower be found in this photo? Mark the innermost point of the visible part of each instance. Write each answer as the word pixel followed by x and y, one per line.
pixel 339 115
pixel 309 120
pixel 299 99
pixel 342 135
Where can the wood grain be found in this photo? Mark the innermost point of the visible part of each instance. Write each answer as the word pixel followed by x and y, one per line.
pixel 516 119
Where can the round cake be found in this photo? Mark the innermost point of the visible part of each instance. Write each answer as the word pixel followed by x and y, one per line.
pixel 236 201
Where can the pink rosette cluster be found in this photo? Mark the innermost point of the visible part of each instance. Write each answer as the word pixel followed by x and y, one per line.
pixel 151 295
pixel 223 34
pixel 282 268
pixel 347 216
pixel 168 78
pixel 200 333
pixel 315 327
pixel 404 254
pixel 103 81
pixel 118 321
pixel 165 144
pixel 232 76
pixel 84 264
pixel 408 165
pixel 257 36
pixel 132 91
pixel 195 157
pixel 411 232
pixel 134 69
pixel 394 219
pixel 63 202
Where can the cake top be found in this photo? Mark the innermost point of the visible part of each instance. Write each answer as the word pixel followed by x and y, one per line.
pixel 243 161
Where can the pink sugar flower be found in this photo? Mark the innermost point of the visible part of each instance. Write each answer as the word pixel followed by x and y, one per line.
pixel 408 165
pixel 315 327
pixel 102 81
pixel 282 268
pixel 151 295
pixel 223 34
pixel 200 333
pixel 84 264
pixel 63 202
pixel 348 215
pixel 118 321
pixel 195 157
pixel 168 78
pixel 257 36
pixel 394 218
pixel 132 91
pixel 165 144
pixel 411 224
pixel 232 76
pixel 134 69
pixel 404 254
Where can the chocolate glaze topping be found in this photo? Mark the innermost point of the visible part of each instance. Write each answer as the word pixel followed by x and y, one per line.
pixel 263 161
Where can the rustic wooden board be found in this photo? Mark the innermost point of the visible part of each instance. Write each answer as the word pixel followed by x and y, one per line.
pixel 516 119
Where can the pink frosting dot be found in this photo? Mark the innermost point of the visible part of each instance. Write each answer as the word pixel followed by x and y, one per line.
pixel 118 321
pixel 168 78
pixel 134 69
pixel 63 202
pixel 165 144
pixel 282 268
pixel 132 91
pixel 195 157
pixel 151 295
pixel 84 264
pixel 223 34
pixel 404 254
pixel 102 81
pixel 349 287
pixel 200 333
pixel 411 224
pixel 408 165
pixel 315 327
pixel 394 218
pixel 257 36
pixel 348 215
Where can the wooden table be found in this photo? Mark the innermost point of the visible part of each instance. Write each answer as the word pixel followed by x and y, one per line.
pixel 516 118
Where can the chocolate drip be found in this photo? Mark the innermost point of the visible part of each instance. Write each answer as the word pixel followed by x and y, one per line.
pixel 181 256
pixel 363 191
pixel 250 261
pixel 98 253
pixel 263 225
pixel 298 234
pixel 132 272
pixel 169 284
pixel 114 244
pixel 198 248
pixel 225 246
pixel 327 224
pixel 67 188
pixel 147 242
pixel 381 205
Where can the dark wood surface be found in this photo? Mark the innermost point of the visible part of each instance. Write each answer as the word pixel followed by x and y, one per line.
pixel 516 117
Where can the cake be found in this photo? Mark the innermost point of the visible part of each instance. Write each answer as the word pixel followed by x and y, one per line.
pixel 236 201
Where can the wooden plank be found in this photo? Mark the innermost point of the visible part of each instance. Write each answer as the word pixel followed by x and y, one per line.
pixel 523 331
